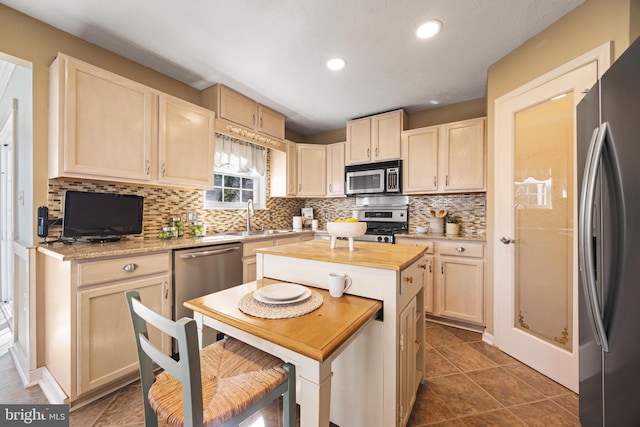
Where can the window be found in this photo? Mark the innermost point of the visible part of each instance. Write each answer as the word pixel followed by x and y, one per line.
pixel 239 175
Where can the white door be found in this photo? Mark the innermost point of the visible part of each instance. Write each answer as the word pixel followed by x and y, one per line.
pixel 535 261
pixel 6 210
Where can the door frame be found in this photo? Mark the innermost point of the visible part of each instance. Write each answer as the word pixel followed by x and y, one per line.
pixel 503 286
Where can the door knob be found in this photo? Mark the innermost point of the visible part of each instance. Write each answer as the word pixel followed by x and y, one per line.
pixel 506 240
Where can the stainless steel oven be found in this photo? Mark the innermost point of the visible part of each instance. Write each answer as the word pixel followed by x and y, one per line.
pixel 386 216
pixel 374 178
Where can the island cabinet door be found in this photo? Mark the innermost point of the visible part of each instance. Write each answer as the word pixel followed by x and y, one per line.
pixel 106 345
pixel 407 368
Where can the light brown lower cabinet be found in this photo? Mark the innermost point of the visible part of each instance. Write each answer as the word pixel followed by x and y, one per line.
pixel 89 347
pixel 249 254
pixel 454 277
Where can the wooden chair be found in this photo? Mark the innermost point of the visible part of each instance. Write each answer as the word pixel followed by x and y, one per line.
pixel 233 379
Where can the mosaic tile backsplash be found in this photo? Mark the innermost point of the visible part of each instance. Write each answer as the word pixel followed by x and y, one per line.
pixel 161 204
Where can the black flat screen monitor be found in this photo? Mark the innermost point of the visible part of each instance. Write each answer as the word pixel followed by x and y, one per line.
pixel 101 216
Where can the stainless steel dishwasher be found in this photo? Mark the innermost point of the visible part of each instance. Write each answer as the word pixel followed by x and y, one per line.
pixel 203 270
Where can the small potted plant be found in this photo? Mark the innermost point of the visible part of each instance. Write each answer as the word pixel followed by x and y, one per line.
pixel 453 225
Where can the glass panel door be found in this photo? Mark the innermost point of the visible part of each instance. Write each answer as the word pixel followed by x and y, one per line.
pixel 543 215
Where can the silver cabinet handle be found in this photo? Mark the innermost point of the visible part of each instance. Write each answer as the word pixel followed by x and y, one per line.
pixel 147 166
pixel 460 249
pixel 506 240
pixel 430 266
pixel 163 169
pixel 368 151
pixel 165 286
pixel 130 268
pixel 585 248
pixel 435 181
pixel 209 253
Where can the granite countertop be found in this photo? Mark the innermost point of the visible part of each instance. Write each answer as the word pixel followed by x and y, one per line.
pixel 366 254
pixel 81 250
pixel 443 237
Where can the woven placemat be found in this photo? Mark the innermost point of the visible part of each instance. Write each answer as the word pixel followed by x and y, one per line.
pixel 249 305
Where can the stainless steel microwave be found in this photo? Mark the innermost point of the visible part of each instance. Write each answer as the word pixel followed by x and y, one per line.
pixel 374 178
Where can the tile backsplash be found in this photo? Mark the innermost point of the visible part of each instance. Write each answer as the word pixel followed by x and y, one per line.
pixel 163 203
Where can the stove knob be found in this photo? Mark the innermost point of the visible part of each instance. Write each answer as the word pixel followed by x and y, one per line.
pixel 379 238
pixel 386 239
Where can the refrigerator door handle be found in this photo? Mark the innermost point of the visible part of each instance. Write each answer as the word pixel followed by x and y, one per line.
pixel 585 248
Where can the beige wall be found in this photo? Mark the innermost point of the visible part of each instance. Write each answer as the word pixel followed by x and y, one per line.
pixel 39 43
pixel 448 113
pixel 588 26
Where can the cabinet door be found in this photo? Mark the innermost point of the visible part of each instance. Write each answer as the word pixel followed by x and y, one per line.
pixel 312 170
pixel 249 265
pixel 463 149
pixel 237 108
pixel 186 143
pixel 461 288
pixel 420 161
pixel 292 168
pixel 106 349
pixel 104 123
pixel 358 148
pixel 385 136
pixel 407 386
pixel 283 171
pixel 428 285
pixel 270 122
pixel 335 169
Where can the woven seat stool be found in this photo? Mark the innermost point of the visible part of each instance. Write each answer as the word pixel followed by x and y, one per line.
pixel 220 385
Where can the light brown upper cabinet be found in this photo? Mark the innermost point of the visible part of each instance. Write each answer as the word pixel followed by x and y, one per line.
pixel 234 107
pixel 312 170
pixel 446 158
pixel 284 171
pixel 106 127
pixel 420 160
pixel 335 169
pixel 375 138
pixel 463 156
pixel 185 143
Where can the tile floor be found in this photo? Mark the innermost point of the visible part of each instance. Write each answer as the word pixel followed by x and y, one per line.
pixel 468 383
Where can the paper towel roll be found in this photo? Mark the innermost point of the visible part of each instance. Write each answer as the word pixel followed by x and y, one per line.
pixel 297 222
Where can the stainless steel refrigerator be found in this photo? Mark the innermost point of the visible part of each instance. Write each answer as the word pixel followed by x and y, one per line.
pixel 608 133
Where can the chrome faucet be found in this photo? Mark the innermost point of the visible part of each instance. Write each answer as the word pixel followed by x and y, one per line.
pixel 250 213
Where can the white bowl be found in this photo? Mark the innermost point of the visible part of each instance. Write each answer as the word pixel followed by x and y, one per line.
pixel 346 229
pixel 421 230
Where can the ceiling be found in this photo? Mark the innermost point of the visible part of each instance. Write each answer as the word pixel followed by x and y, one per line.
pixel 275 51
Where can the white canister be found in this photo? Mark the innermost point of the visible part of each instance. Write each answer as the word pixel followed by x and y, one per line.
pixel 436 225
pixel 314 224
pixel 297 222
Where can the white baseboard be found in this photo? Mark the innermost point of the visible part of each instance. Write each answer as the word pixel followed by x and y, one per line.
pixel 21 365
pixel 37 377
pixel 50 387
pixel 488 338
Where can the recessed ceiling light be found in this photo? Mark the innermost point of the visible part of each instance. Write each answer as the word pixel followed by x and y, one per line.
pixel 434 102
pixel 336 64
pixel 429 29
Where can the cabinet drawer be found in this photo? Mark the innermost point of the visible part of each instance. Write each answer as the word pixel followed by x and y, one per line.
pixel 249 248
pixel 113 269
pixel 287 240
pixel 460 248
pixel 416 242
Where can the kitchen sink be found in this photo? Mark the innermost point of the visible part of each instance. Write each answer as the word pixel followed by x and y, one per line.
pixel 255 233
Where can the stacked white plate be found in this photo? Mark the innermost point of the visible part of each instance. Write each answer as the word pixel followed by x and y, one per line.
pixel 281 293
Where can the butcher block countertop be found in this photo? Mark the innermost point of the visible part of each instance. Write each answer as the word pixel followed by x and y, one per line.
pixel 317 334
pixel 365 254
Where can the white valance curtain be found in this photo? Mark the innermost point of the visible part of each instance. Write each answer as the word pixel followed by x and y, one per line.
pixel 236 156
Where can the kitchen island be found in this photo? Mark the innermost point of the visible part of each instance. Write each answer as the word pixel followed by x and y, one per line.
pixel 374 381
